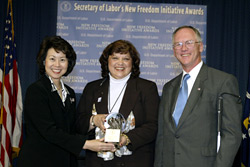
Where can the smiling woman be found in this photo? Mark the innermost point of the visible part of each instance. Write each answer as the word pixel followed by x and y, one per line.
pixel 122 91
pixel 49 112
pixel 56 65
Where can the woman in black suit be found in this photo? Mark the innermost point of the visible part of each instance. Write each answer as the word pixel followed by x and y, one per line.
pixel 49 112
pixel 121 90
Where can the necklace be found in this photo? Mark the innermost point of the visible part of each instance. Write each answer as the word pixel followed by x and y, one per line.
pixel 116 98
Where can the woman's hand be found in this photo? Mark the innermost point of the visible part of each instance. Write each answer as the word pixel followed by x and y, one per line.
pixel 124 140
pixel 99 145
pixel 99 120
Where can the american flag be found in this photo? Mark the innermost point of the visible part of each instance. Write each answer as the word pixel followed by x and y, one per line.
pixel 245 154
pixel 10 95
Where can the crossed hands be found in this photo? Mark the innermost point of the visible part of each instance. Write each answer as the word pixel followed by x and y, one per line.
pixel 99 145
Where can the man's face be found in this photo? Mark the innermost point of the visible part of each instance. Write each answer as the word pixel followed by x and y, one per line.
pixel 189 54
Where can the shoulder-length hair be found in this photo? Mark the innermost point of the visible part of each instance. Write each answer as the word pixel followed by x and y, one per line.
pixel 60 45
pixel 123 47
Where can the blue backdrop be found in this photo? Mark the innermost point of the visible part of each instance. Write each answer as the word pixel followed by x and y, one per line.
pixel 91 26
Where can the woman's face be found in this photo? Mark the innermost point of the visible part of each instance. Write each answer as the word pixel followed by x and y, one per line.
pixel 120 65
pixel 56 64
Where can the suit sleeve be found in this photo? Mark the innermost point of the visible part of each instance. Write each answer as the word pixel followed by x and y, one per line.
pixel 159 139
pixel 84 109
pixel 231 124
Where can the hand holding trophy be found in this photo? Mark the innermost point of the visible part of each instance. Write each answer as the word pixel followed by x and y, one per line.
pixel 115 126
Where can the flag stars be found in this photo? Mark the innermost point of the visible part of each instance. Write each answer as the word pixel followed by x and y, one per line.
pixel 248 95
pixel 244 136
pixel 7 47
pixel 7 21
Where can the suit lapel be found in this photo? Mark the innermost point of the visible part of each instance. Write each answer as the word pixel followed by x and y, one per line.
pixel 46 82
pixel 173 97
pixel 68 102
pixel 129 98
pixel 101 97
pixel 128 101
pixel 195 94
pixel 57 98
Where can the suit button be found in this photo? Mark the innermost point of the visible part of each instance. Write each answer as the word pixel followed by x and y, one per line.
pixel 177 137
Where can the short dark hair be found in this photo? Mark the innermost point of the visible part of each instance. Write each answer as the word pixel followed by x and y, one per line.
pixel 59 44
pixel 197 33
pixel 123 47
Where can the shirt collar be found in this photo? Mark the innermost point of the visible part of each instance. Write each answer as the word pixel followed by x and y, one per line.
pixel 194 72
pixel 123 80
pixel 65 91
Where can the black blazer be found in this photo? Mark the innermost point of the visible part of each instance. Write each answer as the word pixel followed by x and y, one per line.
pixel 141 97
pixel 50 138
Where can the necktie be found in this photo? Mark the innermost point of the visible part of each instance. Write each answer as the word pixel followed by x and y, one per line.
pixel 182 99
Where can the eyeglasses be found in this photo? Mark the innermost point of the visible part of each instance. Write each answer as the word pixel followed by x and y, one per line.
pixel 189 44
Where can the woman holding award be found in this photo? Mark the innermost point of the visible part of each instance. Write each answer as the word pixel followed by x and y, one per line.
pixel 49 112
pixel 121 101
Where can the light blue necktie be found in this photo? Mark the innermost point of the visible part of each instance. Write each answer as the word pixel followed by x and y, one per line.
pixel 182 99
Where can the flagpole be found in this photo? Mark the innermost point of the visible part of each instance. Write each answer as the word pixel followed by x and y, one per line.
pixel 4 66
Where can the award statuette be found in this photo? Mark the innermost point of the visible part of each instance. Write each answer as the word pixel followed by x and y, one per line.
pixel 115 122
pixel 115 125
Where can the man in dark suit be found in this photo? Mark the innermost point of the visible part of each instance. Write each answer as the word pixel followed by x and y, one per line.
pixel 191 140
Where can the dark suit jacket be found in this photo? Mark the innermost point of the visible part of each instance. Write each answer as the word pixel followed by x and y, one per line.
pixel 141 97
pixel 50 141
pixel 193 142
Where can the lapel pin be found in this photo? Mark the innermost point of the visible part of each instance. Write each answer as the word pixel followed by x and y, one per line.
pixel 199 89
pixel 72 100
pixel 99 99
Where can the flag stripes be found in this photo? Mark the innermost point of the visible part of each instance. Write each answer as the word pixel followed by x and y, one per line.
pixel 10 94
